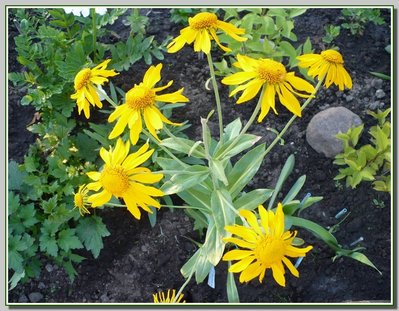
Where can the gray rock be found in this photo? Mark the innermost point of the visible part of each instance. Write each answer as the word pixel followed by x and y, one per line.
pixel 377 83
pixel 374 105
pixel 321 130
pixel 104 298
pixel 41 285
pixel 23 299
pixel 379 94
pixel 49 268
pixel 349 98
pixel 35 297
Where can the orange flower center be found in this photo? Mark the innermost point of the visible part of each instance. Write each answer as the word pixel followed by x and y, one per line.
pixel 332 56
pixel 270 250
pixel 140 97
pixel 271 71
pixel 82 78
pixel 115 180
pixel 203 20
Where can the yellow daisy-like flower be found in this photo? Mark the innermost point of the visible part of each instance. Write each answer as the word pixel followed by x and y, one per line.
pixel 80 200
pixel 266 245
pixel 84 84
pixel 121 177
pixel 329 64
pixel 168 298
pixel 275 78
pixel 140 101
pixel 202 30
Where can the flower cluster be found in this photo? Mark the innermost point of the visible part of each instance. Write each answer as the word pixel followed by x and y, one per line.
pixel 262 242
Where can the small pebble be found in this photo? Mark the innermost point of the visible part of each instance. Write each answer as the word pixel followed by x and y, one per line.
pixel 49 268
pixel 35 297
pixel 104 298
pixel 41 285
pixel 23 299
pixel 380 94
pixel 144 248
pixel 349 98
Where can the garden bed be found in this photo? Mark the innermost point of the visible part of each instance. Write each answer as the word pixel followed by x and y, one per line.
pixel 138 260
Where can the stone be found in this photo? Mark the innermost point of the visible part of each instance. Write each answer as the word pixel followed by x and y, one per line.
pixel 35 297
pixel 379 94
pixel 321 130
pixel 23 299
pixel 49 268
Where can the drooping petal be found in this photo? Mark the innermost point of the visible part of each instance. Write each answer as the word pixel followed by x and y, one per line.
pixel 99 199
pixel 242 264
pixel 152 76
pixel 237 254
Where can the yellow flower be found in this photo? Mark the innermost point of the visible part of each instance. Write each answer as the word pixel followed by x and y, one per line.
pixel 161 298
pixel 140 101
pixel 84 84
pixel 121 177
pixel 272 75
pixel 267 246
pixel 202 30
pixel 80 200
pixel 330 63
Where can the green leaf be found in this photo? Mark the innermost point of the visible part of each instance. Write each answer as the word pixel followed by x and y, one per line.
pixel 90 231
pixel 355 134
pixel 226 151
pixel 380 75
pixel 307 46
pixel 185 179
pixel 296 12
pixel 26 100
pixel 197 264
pixel 295 189
pixel 67 240
pixel 101 139
pixel 232 292
pixel 249 201
pixel 86 146
pixel 232 129
pixel 49 205
pixel 152 217
pixel 217 170
pixel 285 172
pixel 48 244
pixel 363 259
pixel 15 176
pixel 184 145
pixel 16 277
pixel 70 270
pixel 245 169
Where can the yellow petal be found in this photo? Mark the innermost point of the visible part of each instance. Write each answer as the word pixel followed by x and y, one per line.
pixel 135 130
pixel 161 88
pixel 231 30
pixel 240 243
pixel 152 191
pixel 119 126
pixel 175 97
pixel 251 272
pixel 117 112
pixel 94 175
pixel 251 219
pixel 131 205
pixel 278 275
pixel 242 264
pixel 264 218
pixel 149 178
pixel 239 77
pixel 99 199
pixel 150 127
pixel 279 225
pixel 95 186
pixel 268 101
pixel 105 155
pixel 289 100
pixel 250 91
pixel 245 233
pixel 152 76
pixel 290 267
pixel 237 254
pixel 299 84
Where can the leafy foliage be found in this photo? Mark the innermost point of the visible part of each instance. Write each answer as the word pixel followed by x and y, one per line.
pixel 371 162
pixel 355 19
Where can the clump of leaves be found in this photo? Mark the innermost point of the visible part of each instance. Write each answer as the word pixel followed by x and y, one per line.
pixel 371 162
pixel 332 32
pixel 355 19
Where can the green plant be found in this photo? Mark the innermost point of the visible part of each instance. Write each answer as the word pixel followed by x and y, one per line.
pixel 378 203
pixel 137 46
pixel 180 15
pixel 371 162
pixel 355 19
pixel 331 33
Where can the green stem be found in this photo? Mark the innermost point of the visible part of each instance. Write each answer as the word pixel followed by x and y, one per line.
pixel 286 127
pixel 249 123
pixel 154 140
pixel 217 96
pixel 107 98
pixel 186 206
pixel 182 287
pixel 94 30
pixel 114 204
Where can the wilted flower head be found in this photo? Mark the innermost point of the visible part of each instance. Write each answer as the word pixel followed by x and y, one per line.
pixel 168 298
pixel 85 84
pixel 328 64
pixel 140 101
pixel 202 30
pixel 122 177
pixel 275 78
pixel 266 246
pixel 80 200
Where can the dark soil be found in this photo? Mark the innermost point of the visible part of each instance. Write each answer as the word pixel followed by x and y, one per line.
pixel 138 260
